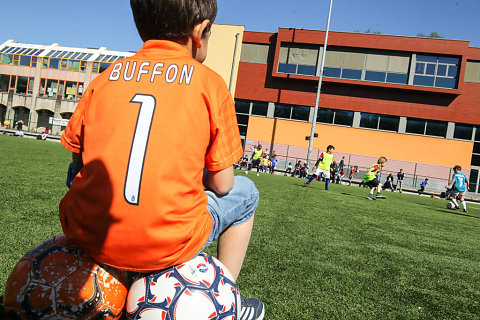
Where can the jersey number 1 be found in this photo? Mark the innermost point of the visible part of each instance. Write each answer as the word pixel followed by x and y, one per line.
pixel 139 147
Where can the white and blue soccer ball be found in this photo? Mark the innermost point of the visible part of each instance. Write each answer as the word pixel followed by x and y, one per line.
pixel 200 289
pixel 450 205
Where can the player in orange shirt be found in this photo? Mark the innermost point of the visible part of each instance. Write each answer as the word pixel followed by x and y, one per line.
pixel 130 206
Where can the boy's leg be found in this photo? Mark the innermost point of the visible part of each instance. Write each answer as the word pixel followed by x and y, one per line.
pixel 313 176
pixel 232 216
pixel 232 246
pixel 464 204
pixel 370 195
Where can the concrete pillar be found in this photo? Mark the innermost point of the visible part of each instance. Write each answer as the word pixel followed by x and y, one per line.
pixel 271 110
pixel 402 125
pixel 450 130
pixel 356 119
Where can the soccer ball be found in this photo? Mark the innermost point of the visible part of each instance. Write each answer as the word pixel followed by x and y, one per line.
pixel 56 280
pixel 199 289
pixel 6 122
pixel 450 205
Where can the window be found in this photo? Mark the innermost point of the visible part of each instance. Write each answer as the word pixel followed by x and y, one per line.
pixel 282 111
pixel 477 134
pixel 51 88
pixel 54 63
pixel 293 112
pixel 436 128
pixel 242 119
pixel 4 82
pixel 436 71
pixel 475 157
pixel 300 113
pixel 472 71
pixel 389 123
pixel 242 106
pixel 298 59
pixel 73 65
pixel 70 90
pixel 340 117
pixel 31 81
pixel 377 121
pixel 260 108
pixel 472 181
pixel 368 65
pixel 344 118
pixel 415 126
pixel 427 127
pixel 22 83
pixel 463 131
pixel 7 58
pixel 325 115
pixel 25 61
pixel 369 120
pixel 104 66
pixel 254 53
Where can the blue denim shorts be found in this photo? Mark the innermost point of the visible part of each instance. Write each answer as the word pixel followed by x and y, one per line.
pixel 232 209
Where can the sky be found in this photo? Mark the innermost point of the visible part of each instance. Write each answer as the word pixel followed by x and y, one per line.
pixel 109 23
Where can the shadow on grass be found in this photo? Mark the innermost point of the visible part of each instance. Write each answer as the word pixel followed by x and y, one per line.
pixel 458 213
pixel 355 195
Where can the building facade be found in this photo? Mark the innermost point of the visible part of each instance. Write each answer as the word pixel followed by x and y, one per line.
pixel 413 100
pixel 42 84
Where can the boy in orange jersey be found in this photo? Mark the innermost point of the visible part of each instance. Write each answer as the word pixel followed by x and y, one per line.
pixel 131 206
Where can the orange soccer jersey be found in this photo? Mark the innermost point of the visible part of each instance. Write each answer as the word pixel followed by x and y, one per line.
pixel 132 206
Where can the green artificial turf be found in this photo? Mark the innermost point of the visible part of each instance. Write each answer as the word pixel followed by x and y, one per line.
pixel 314 254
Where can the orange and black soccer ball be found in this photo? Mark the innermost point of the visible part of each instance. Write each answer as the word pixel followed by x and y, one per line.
pixel 56 280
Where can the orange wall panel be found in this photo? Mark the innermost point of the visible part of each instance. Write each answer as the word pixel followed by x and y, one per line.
pixel 407 147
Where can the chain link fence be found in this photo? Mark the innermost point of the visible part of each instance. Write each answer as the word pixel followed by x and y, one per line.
pixel 415 172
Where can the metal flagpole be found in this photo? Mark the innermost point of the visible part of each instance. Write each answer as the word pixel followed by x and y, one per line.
pixel 314 122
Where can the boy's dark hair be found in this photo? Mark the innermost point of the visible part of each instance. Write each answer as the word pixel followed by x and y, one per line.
pixel 330 147
pixel 171 19
pixel 457 168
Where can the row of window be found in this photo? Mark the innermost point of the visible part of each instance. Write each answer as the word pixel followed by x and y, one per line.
pixel 362 64
pixel 54 63
pixel 434 128
pixel 20 84
pixel 68 90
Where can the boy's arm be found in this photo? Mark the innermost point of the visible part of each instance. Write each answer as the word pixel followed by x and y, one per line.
pixel 220 182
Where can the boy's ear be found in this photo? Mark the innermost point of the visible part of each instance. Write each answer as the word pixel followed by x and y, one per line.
pixel 197 33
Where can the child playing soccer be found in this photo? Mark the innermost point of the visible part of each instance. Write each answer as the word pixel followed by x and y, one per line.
pixel 459 185
pixel 370 179
pixel 130 206
pixel 422 186
pixel 323 167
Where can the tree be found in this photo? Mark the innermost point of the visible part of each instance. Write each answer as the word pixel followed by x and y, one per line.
pixel 433 35
pixel 371 31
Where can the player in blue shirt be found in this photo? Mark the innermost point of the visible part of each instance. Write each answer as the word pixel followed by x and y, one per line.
pixel 459 185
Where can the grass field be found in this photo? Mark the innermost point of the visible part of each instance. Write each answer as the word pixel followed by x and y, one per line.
pixel 314 254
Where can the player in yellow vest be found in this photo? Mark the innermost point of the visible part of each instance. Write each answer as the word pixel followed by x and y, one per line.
pixel 256 157
pixel 323 167
pixel 370 179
